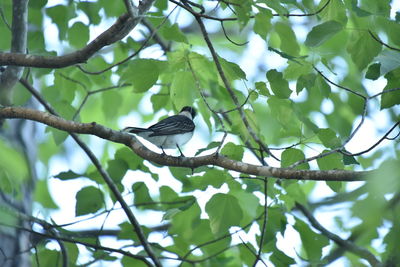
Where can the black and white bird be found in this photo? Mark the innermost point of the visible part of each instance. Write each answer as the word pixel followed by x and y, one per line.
pixel 171 132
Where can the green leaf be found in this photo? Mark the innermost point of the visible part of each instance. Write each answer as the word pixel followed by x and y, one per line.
pixel 312 242
pixel 279 85
pixel 173 33
pixel 389 60
pixel 336 186
pixel 322 33
pixel 362 48
pixel 232 70
pixel 282 111
pixel 292 155
pixel 78 35
pixel 88 200
pixel 141 193
pixel 92 10
pixel 305 81
pixel 288 39
pixel 184 221
pixel 262 88
pixel 374 70
pixel 142 73
pixel 111 103
pixel 322 86
pixel 117 169
pixel 232 151
pixel 215 177
pixel 248 202
pixel 328 138
pixel 42 195
pixel 376 7
pixel 60 15
pixel 224 211
pixel 68 175
pixel 330 162
pixel 296 193
pixel 209 146
pixel 183 89
pixel 13 165
pixel 262 22
pixel 129 261
pixel 391 99
pixel 335 10
pixel 278 258
pixel 349 160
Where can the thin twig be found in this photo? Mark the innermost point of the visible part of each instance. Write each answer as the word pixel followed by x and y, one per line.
pixel 338 85
pixel 229 39
pixel 376 38
pixel 374 145
pixel 189 9
pixel 264 226
pixel 144 44
pixel 221 237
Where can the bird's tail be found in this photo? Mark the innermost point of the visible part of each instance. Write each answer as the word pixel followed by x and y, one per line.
pixel 135 130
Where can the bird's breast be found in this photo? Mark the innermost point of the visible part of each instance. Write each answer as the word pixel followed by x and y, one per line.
pixel 177 139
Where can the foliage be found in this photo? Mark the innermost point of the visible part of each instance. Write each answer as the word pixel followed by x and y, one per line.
pixel 299 78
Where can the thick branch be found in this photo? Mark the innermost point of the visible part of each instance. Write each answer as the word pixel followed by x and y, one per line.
pixel 116 32
pixel 19 30
pixel 190 162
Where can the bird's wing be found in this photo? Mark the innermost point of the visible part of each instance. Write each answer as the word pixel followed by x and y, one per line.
pixel 135 130
pixel 177 124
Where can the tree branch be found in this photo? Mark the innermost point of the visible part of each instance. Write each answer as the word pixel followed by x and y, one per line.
pixel 189 162
pixel 19 29
pixel 116 32
pixel 350 246
pixel 228 86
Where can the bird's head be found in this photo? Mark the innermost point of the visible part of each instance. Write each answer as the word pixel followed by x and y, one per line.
pixel 189 110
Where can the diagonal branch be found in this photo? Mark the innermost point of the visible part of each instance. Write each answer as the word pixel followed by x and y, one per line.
pixel 189 162
pixel 116 32
pixel 348 245
pixel 229 88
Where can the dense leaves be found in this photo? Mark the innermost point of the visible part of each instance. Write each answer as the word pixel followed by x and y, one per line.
pixel 292 84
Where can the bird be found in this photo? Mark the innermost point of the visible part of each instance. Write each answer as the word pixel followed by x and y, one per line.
pixel 171 132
